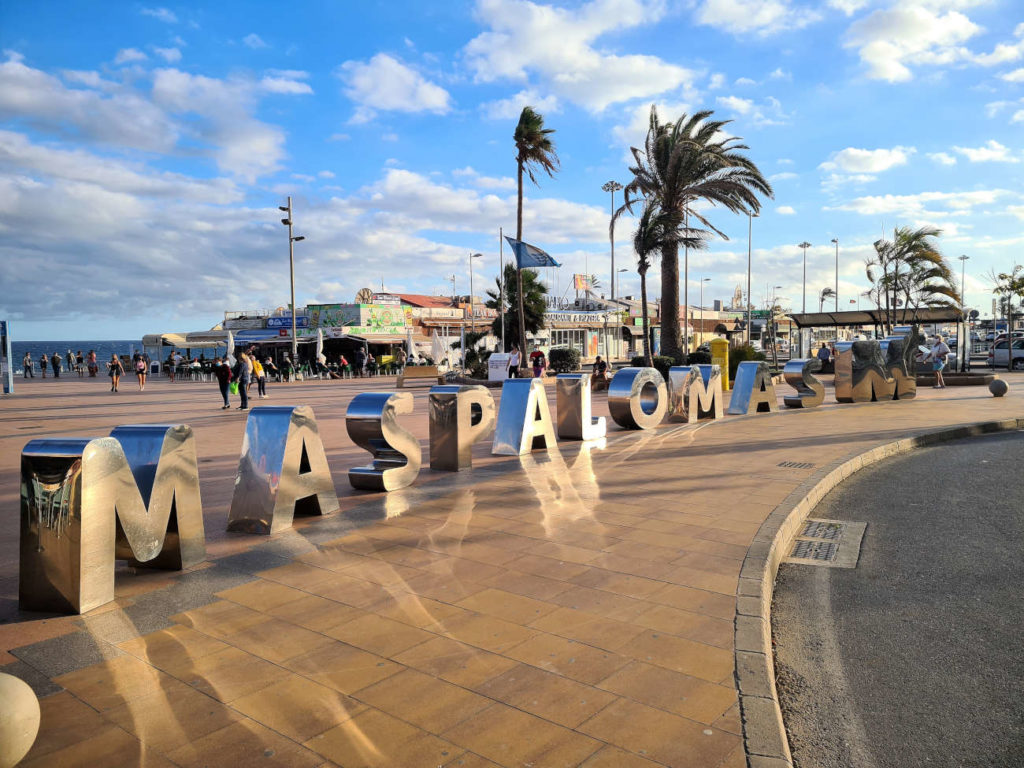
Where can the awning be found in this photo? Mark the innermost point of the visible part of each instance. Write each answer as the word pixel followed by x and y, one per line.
pixel 874 317
pixel 635 330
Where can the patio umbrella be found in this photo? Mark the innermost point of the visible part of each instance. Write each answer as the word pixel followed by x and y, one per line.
pixel 437 350
pixel 231 348
pixel 319 342
pixel 410 350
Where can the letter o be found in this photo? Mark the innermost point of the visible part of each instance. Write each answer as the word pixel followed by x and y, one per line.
pixel 638 398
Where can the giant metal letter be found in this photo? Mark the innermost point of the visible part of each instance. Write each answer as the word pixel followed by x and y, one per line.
pixel 282 470
pixel 638 398
pixel 86 503
pixel 810 392
pixel 861 376
pixel 753 391
pixel 896 355
pixel 696 392
pixel 574 418
pixel 460 415
pixel 524 420
pixel 372 423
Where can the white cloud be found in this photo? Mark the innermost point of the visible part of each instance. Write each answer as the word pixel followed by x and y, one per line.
pixel 170 55
pixel 942 158
pixel 287 85
pixel 326 174
pixel 384 83
pixel 1016 76
pixel 509 109
pixel 128 55
pixel 339 137
pixel 784 176
pixel 754 16
pixel 954 203
pixel 254 41
pixel 992 152
pixel 716 81
pixel 1018 116
pixel 769 112
pixel 853 160
pixel 849 7
pixel 737 104
pixel 485 182
pixel 780 74
pixel 744 81
pixel 160 14
pixel 785 210
pixel 556 45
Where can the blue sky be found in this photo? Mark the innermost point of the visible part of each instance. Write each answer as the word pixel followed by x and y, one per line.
pixel 144 148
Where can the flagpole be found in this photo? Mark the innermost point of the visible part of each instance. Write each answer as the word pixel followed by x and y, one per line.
pixel 501 286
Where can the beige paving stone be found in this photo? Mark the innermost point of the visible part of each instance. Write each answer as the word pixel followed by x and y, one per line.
pixel 547 695
pixel 298 708
pixel 455 662
pixel 172 647
pixel 693 626
pixel 416 610
pixel 276 640
pixel 243 743
pixel 506 605
pixel 674 692
pixel 65 721
pixel 423 700
pixel 220 619
pixel 547 567
pixel 298 575
pixel 588 628
pixel 111 746
pixel 379 635
pixel 262 595
pixel 569 658
pixel 613 757
pixel 227 674
pixel 356 592
pixel 113 682
pixel 730 721
pixel 602 603
pixel 681 655
pixel 315 612
pixel 487 632
pixel 527 584
pixel 343 667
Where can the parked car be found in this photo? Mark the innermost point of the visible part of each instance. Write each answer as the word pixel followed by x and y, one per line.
pixel 997 355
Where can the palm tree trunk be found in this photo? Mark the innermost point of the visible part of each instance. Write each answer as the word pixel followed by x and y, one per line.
pixel 671 338
pixel 519 271
pixel 643 307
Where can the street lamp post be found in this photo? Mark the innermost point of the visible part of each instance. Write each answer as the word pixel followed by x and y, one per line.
pixel 472 305
pixel 750 232
pixel 805 245
pixel 836 241
pixel 612 186
pixel 965 336
pixel 291 270
pixel 703 280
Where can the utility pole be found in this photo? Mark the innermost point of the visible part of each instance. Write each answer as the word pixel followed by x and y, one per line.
pixel 750 232
pixel 291 270
pixel 836 241
pixel 805 245
pixel 612 186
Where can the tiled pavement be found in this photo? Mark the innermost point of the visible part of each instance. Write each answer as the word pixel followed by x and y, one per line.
pixel 565 609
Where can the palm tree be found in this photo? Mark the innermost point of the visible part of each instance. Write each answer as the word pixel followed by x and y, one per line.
pixel 825 294
pixel 681 163
pixel 533 303
pixel 534 150
pixel 654 229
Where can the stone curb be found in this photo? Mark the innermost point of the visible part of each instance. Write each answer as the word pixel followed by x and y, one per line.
pixel 764 733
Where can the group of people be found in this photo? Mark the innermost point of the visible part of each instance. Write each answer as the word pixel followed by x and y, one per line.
pixel 247 370
pixel 538 362
pixel 71 362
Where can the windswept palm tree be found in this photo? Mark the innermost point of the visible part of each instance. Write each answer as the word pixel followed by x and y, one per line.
pixel 682 162
pixel 825 293
pixel 653 231
pixel 534 151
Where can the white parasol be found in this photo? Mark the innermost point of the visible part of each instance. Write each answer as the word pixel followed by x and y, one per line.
pixel 231 348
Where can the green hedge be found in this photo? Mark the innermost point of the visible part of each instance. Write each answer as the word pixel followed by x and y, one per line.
pixel 564 360
pixel 742 354
pixel 699 358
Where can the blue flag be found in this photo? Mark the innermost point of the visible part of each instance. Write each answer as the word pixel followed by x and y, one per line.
pixel 530 255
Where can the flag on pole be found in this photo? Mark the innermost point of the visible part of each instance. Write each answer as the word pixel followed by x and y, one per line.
pixel 530 255
pixel 581 282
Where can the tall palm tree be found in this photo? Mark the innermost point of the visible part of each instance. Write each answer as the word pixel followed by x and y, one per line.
pixel 653 231
pixel 825 294
pixel 533 304
pixel 681 163
pixel 534 151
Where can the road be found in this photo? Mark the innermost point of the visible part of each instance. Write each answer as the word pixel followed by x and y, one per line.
pixel 916 656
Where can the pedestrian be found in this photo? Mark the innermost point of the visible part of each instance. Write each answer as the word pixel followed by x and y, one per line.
pixel 824 354
pixel 360 362
pixel 115 370
pixel 343 366
pixel 538 361
pixel 371 363
pixel 261 377
pixel 26 366
pixel 139 363
pixel 222 371
pixel 55 364
pixel 513 363
pixel 44 363
pixel 70 358
pixel 244 368
pixel 400 359
pixel 600 369
pixel 938 358
pixel 80 364
pixel 94 366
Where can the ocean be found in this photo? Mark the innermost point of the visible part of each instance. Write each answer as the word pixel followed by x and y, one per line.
pixel 104 349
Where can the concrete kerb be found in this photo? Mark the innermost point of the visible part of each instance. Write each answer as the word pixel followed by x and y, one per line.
pixel 764 733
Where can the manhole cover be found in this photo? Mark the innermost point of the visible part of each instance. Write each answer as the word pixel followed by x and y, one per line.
pixel 815 550
pixel 828 543
pixel 796 464
pixel 815 529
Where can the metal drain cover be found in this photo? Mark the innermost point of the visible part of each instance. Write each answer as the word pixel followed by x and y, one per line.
pixel 796 464
pixel 828 543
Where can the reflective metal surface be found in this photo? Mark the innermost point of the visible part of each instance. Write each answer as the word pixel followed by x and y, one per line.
pixel 637 398
pixel 524 420
pixel 282 470
pixel 799 374
pixel 85 503
pixel 696 392
pixel 460 415
pixel 861 374
pixel 573 412
pixel 753 391
pixel 372 423
pixel 900 362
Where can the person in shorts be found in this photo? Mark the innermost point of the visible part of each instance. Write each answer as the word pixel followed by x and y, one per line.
pixel 938 358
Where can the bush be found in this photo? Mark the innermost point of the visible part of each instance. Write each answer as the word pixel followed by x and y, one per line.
pixel 699 358
pixel 661 363
pixel 741 354
pixel 564 360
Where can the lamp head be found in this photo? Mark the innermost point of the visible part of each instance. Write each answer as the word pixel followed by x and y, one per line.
pixel 286 222
pixel 282 208
pixel 299 237
pixel 835 240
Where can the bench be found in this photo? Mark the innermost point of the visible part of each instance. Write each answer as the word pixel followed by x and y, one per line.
pixel 425 372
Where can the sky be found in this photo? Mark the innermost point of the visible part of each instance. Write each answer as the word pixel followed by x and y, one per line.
pixel 144 148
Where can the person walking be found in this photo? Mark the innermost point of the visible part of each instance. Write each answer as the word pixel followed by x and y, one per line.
pixel 222 371
pixel 513 363
pixel 244 379
pixel 70 357
pixel 359 358
pixel 400 359
pixel 140 370
pixel 115 370
pixel 94 366
pixel 80 364
pixel 261 377
pixel 26 366
pixel 44 361
pixel 538 361
pixel 55 363
pixel 938 357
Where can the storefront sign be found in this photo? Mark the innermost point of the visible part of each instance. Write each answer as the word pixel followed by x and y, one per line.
pixel 286 322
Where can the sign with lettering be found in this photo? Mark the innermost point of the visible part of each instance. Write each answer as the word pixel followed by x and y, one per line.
pixel 286 322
